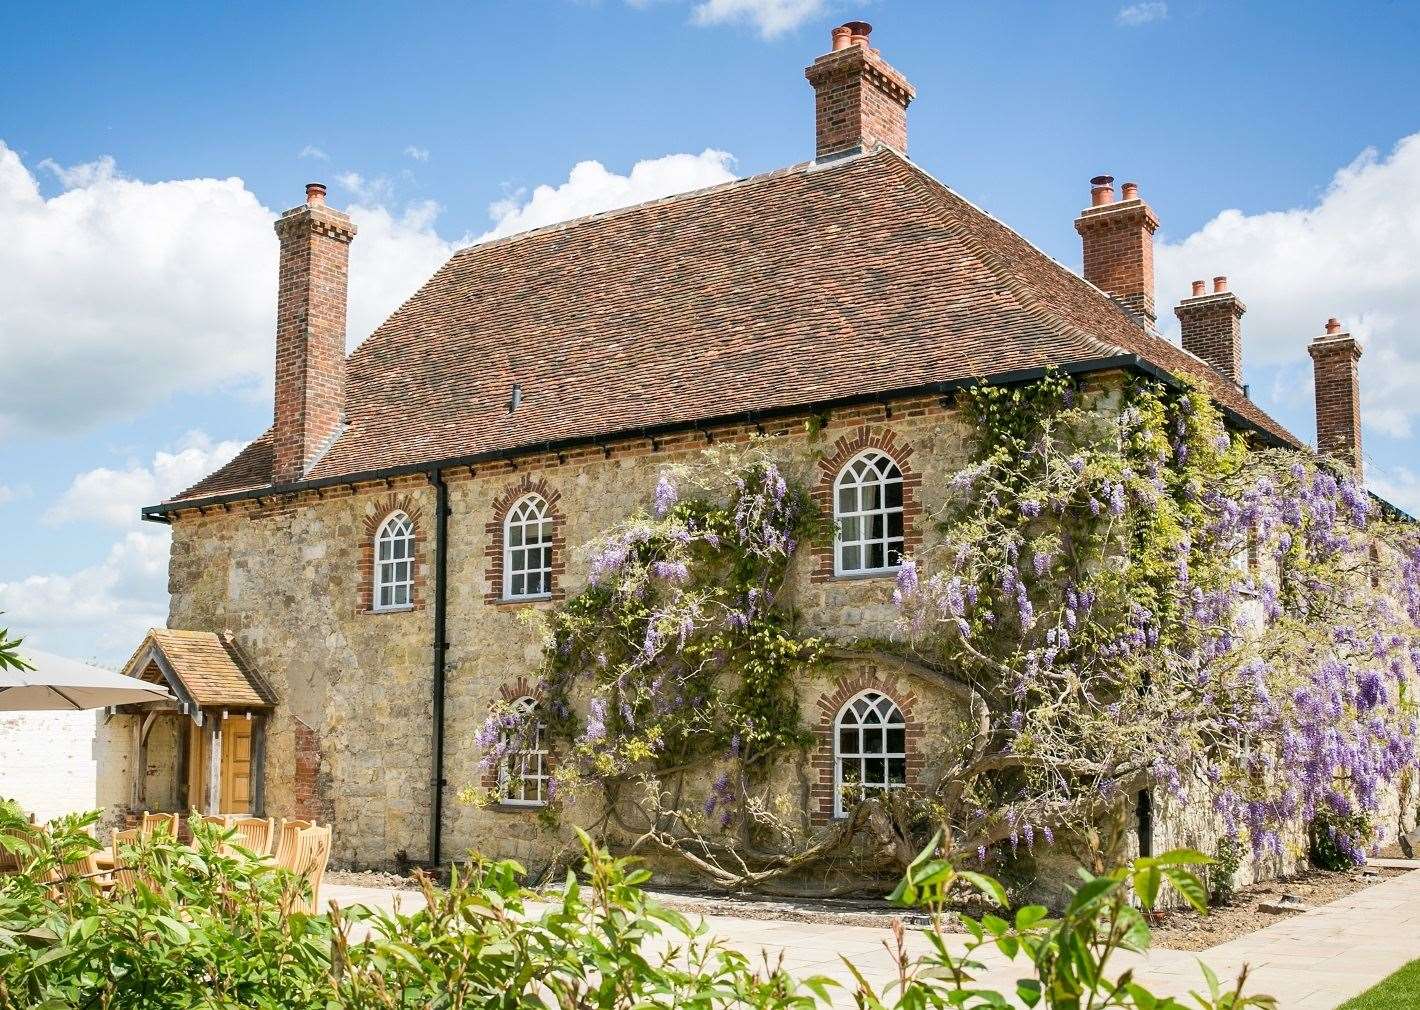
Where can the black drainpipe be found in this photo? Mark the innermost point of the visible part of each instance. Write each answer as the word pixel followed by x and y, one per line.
pixel 1144 811
pixel 441 645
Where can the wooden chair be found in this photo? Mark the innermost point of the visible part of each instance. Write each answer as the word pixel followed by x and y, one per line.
pixel 125 878
pixel 312 853
pixel 284 846
pixel 166 823
pixel 255 834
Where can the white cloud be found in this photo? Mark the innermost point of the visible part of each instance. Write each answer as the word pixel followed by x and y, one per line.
pixel 7 494
pixel 417 153
pixel 1138 14
pixel 1398 485
pixel 101 610
pixel 117 293
pixel 376 190
pixel 591 188
pixel 114 497
pixel 1353 254
pixel 311 151
pixel 770 17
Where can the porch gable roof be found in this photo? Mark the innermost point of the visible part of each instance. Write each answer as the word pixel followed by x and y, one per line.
pixel 203 669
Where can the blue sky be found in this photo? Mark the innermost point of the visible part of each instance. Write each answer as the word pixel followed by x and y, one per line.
pixel 145 148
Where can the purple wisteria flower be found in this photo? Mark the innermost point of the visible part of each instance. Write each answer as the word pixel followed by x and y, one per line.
pixel 666 496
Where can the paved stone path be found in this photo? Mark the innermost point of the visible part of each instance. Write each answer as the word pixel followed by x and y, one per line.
pixel 1310 961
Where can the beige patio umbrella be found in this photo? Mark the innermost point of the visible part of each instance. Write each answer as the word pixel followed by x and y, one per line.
pixel 57 683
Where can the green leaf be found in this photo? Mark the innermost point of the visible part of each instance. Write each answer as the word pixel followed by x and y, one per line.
pixel 1028 915
pixel 1090 892
pixel 989 886
pixel 1028 989
pixel 1189 886
pixel 1183 857
pixel 1211 978
pixel 1146 884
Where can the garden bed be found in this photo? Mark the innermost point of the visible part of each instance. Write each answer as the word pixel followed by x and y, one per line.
pixel 1187 930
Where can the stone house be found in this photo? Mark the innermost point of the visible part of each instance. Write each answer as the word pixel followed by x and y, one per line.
pixel 347 592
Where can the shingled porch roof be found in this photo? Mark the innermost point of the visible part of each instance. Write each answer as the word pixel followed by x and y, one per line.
pixel 203 668
pixel 823 282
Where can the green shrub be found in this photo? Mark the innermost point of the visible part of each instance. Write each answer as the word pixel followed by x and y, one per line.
pixel 1338 841
pixel 216 931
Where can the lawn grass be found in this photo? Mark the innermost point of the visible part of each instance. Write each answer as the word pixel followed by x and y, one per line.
pixel 1399 992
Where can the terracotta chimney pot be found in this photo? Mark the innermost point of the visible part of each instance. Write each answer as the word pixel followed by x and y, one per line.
pixel 1220 284
pixel 1101 190
pixel 315 194
pixel 1131 191
pixel 1199 288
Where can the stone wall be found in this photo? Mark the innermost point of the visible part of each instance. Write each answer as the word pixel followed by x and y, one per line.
pixel 350 740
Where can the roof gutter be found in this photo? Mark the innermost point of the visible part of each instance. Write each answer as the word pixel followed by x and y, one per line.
pixel 162 513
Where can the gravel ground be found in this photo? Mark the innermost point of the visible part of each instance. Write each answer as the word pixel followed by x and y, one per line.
pixel 370 878
pixel 1187 930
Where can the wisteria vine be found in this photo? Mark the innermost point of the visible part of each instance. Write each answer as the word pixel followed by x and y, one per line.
pixel 1137 599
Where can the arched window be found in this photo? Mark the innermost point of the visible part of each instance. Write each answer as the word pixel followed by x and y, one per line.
pixel 522 779
pixel 527 549
pixel 869 750
pixel 867 509
pixel 394 563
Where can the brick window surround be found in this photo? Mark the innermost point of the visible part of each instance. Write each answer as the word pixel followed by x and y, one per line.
pixel 374 520
pixel 511 495
pixel 829 705
pixel 509 693
pixel 848 446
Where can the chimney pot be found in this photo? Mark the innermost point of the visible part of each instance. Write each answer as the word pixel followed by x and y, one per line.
pixel 858 32
pixel 315 194
pixel 1220 284
pixel 1333 325
pixel 1131 191
pixel 1199 287
pixel 1101 190
pixel 842 37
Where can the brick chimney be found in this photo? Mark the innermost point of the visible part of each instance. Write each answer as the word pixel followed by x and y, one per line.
pixel 1212 326
pixel 1338 397
pixel 1119 245
pixel 859 100
pixel 310 333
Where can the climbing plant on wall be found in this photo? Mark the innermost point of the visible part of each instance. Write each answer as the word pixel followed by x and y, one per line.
pixel 682 654
pixel 1122 595
pixel 1136 599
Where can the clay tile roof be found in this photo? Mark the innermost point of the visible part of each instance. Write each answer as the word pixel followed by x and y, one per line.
pixel 210 668
pixel 819 282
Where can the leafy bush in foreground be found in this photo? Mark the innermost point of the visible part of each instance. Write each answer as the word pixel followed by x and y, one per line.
pixel 205 929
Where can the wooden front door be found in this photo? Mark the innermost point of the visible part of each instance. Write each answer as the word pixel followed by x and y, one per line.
pixel 234 771
pixel 236 766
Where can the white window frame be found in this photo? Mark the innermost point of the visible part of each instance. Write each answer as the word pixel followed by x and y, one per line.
pixel 397 529
pixel 529 512
pixel 871 470
pixel 525 769
pixel 851 717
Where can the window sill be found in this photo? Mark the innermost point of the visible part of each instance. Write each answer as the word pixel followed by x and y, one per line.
pixel 393 610
pixel 518 601
pixel 515 808
pixel 887 573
